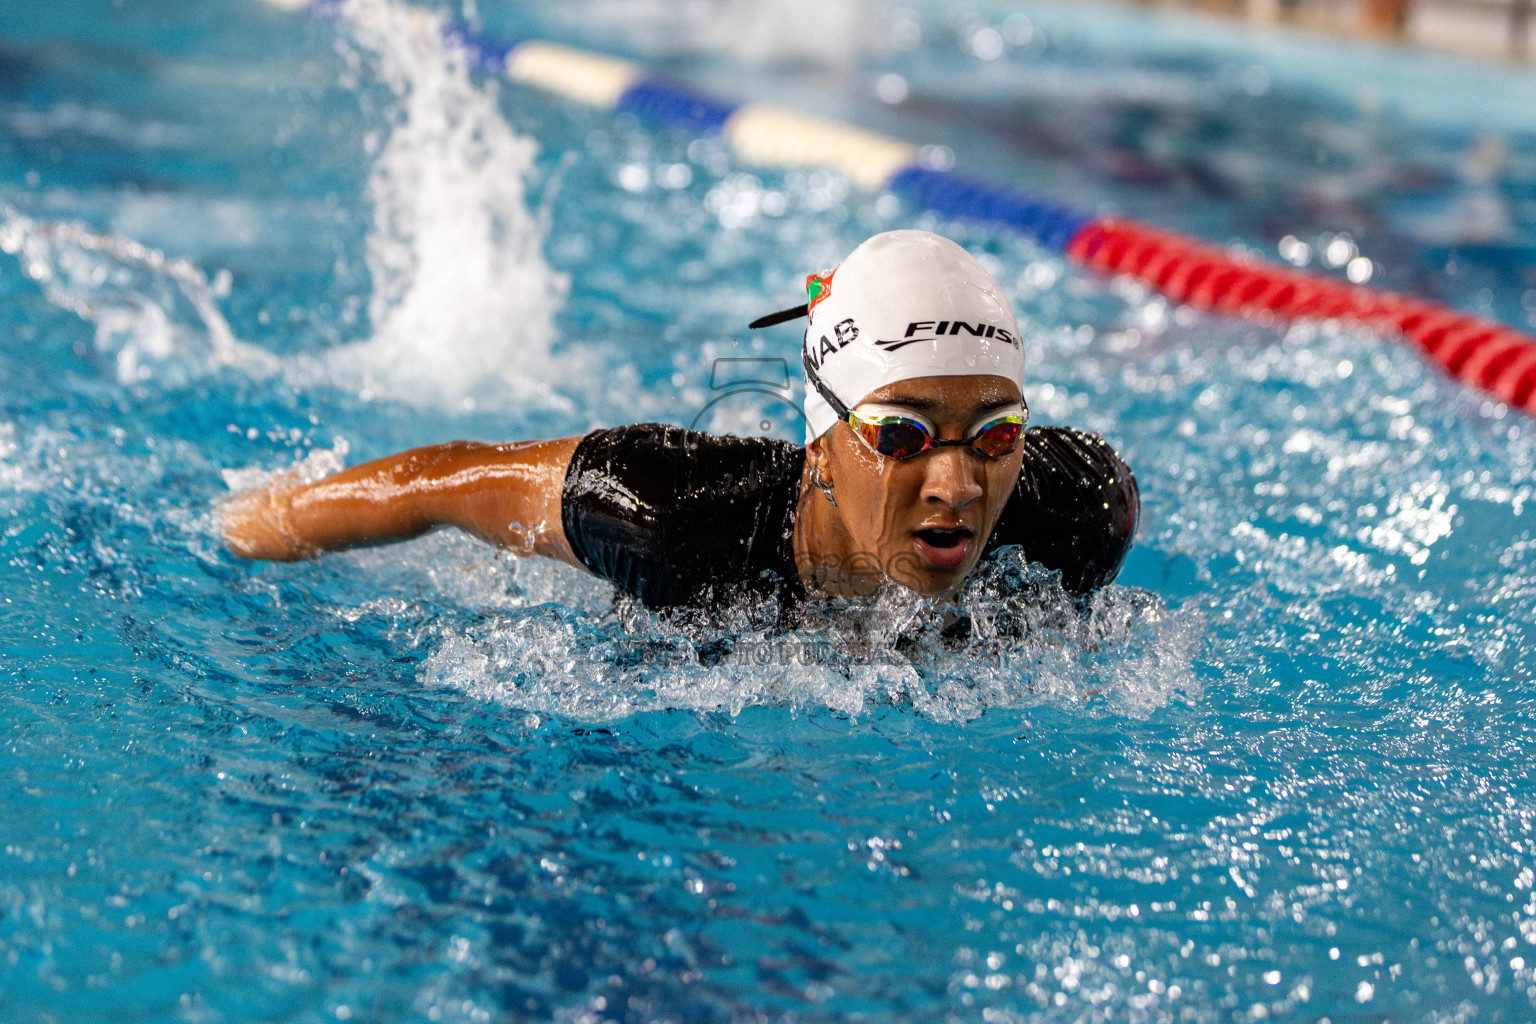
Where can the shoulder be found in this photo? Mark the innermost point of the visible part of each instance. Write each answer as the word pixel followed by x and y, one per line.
pixel 664 512
pixel 1057 458
pixel 1075 508
pixel 666 446
pixel 669 471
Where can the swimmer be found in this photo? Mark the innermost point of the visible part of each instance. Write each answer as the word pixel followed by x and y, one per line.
pixel 917 464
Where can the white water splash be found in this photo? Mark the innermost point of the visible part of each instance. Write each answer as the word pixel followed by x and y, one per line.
pixel 463 303
pixel 154 316
pixel 317 463
pixel 1029 645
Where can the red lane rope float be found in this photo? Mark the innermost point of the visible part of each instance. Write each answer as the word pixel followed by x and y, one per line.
pixel 1485 354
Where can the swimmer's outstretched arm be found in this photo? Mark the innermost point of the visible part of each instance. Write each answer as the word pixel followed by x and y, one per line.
pixel 507 494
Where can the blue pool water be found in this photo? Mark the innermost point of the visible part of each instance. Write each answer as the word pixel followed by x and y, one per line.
pixel 1280 770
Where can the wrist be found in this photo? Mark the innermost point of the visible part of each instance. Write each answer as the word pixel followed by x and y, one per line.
pixel 283 520
pixel 262 524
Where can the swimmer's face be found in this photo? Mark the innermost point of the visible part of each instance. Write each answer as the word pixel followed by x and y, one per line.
pixel 924 520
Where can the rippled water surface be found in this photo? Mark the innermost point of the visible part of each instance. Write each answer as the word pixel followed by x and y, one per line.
pixel 1280 769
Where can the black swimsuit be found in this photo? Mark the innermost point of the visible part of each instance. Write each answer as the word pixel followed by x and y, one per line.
pixel 677 517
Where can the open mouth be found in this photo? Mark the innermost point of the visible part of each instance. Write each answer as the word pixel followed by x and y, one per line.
pixel 944 538
pixel 944 549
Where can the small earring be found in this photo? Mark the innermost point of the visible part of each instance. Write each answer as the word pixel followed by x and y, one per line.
pixel 821 484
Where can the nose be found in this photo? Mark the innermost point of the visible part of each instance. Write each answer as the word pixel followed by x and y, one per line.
pixel 953 477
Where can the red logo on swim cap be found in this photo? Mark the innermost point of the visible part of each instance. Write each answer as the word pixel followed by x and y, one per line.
pixel 818 287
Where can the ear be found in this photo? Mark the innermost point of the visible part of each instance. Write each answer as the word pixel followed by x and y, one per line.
pixel 819 457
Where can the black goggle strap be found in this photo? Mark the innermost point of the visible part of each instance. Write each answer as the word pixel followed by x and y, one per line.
pixel 783 316
pixel 814 379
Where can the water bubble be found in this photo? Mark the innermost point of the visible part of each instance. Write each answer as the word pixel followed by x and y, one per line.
pixel 1360 270
pixel 634 177
pixel 1293 250
pixel 936 158
pixel 891 88
pixel 987 43
pixel 674 176
pixel 1339 250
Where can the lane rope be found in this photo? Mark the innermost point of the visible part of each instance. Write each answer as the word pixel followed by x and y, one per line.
pixel 1485 354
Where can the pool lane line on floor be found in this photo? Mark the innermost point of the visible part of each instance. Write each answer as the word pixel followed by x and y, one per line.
pixel 1488 355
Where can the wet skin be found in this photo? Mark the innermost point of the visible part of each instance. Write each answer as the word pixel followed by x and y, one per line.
pixel 920 522
pixel 507 494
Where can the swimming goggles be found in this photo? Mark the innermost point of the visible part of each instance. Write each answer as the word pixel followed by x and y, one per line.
pixel 899 434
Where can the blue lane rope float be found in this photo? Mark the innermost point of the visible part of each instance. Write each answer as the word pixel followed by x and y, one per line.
pixel 1488 355
pixel 663 103
pixel 952 195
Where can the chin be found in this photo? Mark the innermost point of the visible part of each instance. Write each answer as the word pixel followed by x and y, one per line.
pixel 930 582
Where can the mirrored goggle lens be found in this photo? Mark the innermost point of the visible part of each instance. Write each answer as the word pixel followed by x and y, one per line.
pixel 999 438
pixel 894 437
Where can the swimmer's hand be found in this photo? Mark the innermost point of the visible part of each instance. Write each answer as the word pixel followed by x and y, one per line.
pixel 259 524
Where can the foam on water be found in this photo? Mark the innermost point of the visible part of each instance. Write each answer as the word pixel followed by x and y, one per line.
pixel 551 641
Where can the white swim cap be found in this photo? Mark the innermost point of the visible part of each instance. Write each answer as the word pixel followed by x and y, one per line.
pixel 904 304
